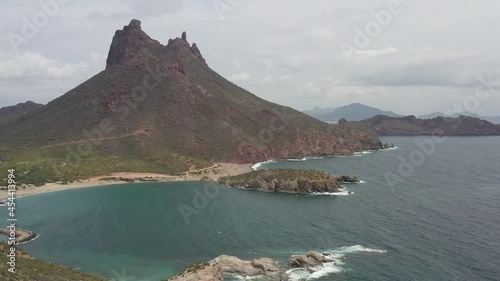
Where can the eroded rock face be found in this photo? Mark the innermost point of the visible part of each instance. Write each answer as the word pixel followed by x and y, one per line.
pixel 308 260
pixel 347 179
pixel 197 52
pixel 215 269
pixel 289 181
pixel 128 43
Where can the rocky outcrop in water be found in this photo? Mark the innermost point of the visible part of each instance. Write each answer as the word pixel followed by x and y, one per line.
pixel 288 181
pixel 308 260
pixel 215 269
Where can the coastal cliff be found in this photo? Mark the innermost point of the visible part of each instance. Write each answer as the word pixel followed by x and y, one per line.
pixel 288 181
pixel 446 126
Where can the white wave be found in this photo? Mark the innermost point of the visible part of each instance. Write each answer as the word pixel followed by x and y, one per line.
pixel 361 181
pixel 313 158
pixel 341 193
pixel 389 148
pixel 256 166
pixel 316 272
pixel 235 276
pixel 334 266
pixel 325 269
pixel 357 249
pixel 298 274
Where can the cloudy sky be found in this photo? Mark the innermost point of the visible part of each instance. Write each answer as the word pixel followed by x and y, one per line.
pixel 411 57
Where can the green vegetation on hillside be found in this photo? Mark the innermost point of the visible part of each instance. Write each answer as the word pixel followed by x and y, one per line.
pixel 37 167
pixel 29 269
pixel 280 175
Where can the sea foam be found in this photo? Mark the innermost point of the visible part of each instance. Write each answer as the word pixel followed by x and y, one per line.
pixel 256 166
pixel 336 266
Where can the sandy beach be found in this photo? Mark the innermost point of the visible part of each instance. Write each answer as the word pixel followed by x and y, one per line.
pixel 211 173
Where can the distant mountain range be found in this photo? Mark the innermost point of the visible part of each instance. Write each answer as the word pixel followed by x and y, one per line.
pixel 411 125
pixel 352 112
pixel 358 112
pixel 318 111
pixel 11 113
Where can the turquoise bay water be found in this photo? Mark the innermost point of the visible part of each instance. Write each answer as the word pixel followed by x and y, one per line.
pixel 441 223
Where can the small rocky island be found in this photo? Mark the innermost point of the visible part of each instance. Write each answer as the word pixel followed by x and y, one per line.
pixel 289 181
pixel 262 268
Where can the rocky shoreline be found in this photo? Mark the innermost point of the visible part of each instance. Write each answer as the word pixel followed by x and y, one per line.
pixel 263 268
pixel 22 236
pixel 289 181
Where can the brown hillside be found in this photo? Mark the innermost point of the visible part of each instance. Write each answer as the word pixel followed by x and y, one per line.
pixel 156 104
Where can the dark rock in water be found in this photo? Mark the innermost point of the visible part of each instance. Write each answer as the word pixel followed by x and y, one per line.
pixel 347 179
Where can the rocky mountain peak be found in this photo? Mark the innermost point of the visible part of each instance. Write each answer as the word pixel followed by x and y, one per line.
pixel 128 43
pixel 132 42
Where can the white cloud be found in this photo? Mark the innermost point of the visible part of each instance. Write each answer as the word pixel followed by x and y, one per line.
pixel 321 33
pixel 243 76
pixel 236 63
pixel 375 53
pixel 271 79
pixel 311 88
pixel 35 65
pixel 299 60
pixel 267 79
pixel 286 78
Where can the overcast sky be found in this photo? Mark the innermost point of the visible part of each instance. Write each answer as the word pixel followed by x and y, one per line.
pixel 413 58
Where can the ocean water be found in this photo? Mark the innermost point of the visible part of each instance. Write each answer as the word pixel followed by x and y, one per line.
pixel 436 218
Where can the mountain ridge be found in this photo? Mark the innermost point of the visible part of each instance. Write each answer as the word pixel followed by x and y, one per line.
pixel 11 113
pixel 411 126
pixel 160 108
pixel 354 112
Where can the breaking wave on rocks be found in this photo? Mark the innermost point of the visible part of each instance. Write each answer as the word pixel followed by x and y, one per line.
pixel 335 266
pixel 390 148
pixel 358 249
pixel 343 192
